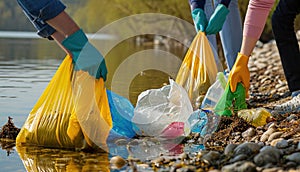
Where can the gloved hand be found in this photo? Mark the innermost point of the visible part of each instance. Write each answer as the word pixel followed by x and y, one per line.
pixel 85 56
pixel 217 20
pixel 231 102
pixel 199 19
pixel 240 73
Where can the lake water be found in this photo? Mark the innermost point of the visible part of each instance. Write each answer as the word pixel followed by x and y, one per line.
pixel 27 66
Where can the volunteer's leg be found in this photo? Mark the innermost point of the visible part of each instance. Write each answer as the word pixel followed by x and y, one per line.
pixel 287 44
pixel 231 34
pixel 286 40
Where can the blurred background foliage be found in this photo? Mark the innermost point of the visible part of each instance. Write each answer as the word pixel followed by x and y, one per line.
pixel 91 15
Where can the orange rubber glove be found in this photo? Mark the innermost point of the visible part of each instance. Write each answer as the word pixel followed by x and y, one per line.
pixel 240 73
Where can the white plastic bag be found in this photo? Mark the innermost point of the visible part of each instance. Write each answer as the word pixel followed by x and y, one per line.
pixel 163 112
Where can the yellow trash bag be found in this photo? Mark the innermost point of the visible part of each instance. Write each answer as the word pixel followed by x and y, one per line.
pixel 69 113
pixel 198 69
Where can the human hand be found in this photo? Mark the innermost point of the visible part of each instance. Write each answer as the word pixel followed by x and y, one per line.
pixel 240 73
pixel 85 56
pixel 199 19
pixel 217 20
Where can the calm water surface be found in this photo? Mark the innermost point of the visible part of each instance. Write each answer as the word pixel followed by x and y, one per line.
pixel 27 66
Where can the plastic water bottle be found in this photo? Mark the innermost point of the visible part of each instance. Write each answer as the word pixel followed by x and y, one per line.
pixel 214 92
pixel 204 122
pixel 198 121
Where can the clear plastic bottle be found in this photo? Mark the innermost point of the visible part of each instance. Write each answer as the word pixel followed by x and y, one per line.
pixel 198 121
pixel 204 122
pixel 214 92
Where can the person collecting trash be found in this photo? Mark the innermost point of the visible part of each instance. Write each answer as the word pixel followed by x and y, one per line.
pixel 283 28
pixel 75 110
pixel 52 22
pixel 214 16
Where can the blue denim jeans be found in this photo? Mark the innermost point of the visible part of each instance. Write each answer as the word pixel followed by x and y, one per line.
pixel 39 11
pixel 283 20
pixel 231 33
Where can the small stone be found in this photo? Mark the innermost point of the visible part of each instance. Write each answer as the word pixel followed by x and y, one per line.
pixel 274 169
pixel 229 149
pixel 117 162
pixel 274 136
pixel 267 155
pixel 240 166
pixel 295 157
pixel 240 157
pixel 282 144
pixel 247 148
pixel 211 157
pixel 275 141
pixel 266 134
pixel 249 133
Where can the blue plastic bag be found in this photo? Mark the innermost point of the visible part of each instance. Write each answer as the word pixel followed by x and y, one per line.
pixel 121 111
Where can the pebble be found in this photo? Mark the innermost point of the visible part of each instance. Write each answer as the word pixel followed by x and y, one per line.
pixel 240 157
pixel 247 148
pixel 295 157
pixel 229 149
pixel 267 155
pixel 249 133
pixel 274 135
pixel 281 144
pixel 211 157
pixel 266 134
pixel 240 167
pixel 117 162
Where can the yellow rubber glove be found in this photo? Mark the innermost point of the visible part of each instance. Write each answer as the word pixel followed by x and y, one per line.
pixel 240 73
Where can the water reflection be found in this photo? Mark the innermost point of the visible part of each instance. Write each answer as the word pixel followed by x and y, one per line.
pixel 9 158
pixel 17 49
pixel 42 159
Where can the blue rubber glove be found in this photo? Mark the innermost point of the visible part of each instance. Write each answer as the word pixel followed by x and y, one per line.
pixel 217 20
pixel 199 19
pixel 85 56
